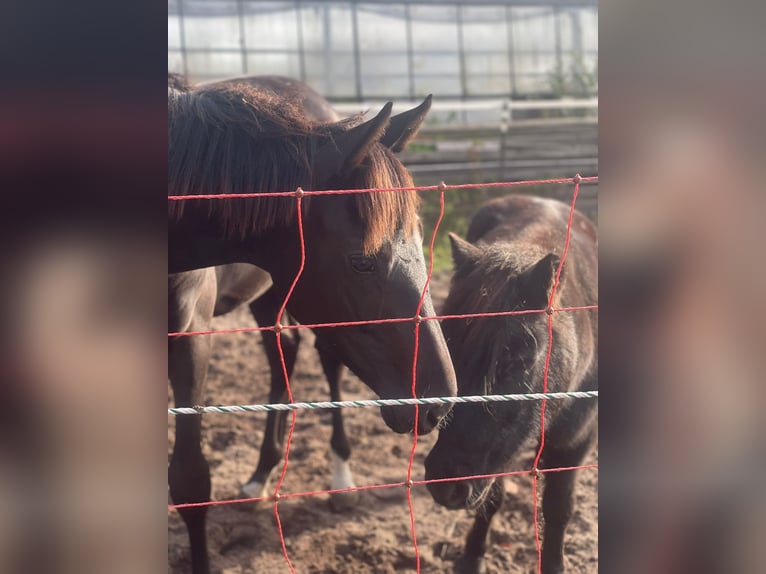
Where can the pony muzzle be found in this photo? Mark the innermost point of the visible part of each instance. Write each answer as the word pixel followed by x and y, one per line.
pixel 453 494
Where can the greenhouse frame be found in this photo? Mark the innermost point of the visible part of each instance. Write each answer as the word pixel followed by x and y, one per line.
pixel 352 51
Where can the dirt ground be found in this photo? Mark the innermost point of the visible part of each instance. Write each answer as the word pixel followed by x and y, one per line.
pixel 375 536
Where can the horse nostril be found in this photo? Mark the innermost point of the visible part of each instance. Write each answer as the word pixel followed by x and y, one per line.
pixel 429 421
pixel 461 493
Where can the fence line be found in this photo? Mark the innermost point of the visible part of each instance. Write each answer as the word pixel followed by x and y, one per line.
pixel 280 327
pixel 498 104
pixel 406 484
pixel 260 408
pixel 292 407
pixel 300 192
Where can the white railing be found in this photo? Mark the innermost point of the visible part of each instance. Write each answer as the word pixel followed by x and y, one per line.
pixel 452 105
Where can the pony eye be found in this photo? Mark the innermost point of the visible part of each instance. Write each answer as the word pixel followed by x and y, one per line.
pixel 362 263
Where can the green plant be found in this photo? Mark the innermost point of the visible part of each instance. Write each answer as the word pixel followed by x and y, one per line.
pixel 460 205
pixel 579 81
pixel 421 147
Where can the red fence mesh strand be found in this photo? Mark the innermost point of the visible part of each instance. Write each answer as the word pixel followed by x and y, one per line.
pixel 277 328
pixel 383 321
pixel 536 463
pixel 379 486
pixel 294 414
pixel 441 186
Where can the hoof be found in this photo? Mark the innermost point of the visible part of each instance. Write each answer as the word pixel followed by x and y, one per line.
pixel 343 501
pixel 255 490
pixel 470 565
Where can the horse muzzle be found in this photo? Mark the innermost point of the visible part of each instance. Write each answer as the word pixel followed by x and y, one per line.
pixel 401 419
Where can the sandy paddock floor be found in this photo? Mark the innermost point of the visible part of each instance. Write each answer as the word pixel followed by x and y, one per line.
pixel 375 536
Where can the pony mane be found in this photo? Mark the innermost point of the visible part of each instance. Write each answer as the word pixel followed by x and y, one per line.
pixel 240 139
pixel 488 286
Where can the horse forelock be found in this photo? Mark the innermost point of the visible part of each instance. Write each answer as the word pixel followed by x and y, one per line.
pixel 384 213
pixel 240 139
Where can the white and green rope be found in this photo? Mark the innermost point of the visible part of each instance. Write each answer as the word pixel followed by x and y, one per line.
pixel 381 403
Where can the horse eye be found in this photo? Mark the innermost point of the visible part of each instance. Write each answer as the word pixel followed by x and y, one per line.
pixel 362 263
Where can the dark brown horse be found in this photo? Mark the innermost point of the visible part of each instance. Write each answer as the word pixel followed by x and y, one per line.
pixel 314 106
pixel 509 263
pixel 363 251
pixel 242 283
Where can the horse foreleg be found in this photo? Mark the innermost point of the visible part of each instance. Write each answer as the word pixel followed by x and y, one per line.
pixel 265 310
pixel 340 450
pixel 189 473
pixel 558 502
pixel 472 560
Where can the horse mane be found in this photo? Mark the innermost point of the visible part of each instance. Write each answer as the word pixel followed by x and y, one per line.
pixel 178 82
pixel 240 139
pixel 488 286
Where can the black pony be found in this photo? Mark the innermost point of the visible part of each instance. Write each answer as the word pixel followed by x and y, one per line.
pixel 510 262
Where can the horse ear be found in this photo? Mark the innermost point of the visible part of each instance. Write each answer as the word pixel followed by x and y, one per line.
pixel 347 149
pixel 405 126
pixel 538 281
pixel 462 251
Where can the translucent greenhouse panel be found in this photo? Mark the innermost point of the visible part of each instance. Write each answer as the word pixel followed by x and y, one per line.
pixel 342 89
pixel 175 62
pixel 484 28
pixel 331 73
pixel 274 64
pixel 271 26
pixel 487 64
pixel 385 86
pixel 570 30
pixel 488 85
pixel 326 26
pixel 434 63
pixel 377 64
pixel 437 85
pixel 213 65
pixel 533 29
pixel 535 62
pixel 531 84
pixel 174 32
pixel 589 22
pixel 434 28
pixel 382 28
pixel 331 66
pixel 220 30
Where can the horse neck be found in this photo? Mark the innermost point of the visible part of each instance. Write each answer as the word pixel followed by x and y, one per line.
pixel 197 241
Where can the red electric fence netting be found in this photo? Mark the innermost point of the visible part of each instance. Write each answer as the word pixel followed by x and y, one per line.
pixel 277 328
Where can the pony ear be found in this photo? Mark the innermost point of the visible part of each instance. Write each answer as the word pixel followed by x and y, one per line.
pixel 538 281
pixel 347 149
pixel 462 251
pixel 405 126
